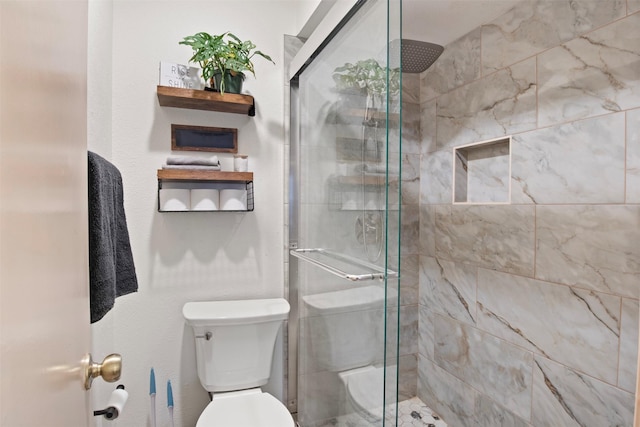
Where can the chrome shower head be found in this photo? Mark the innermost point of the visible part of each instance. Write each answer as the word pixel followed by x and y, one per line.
pixel 417 55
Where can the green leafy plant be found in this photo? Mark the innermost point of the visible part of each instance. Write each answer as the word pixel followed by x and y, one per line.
pixel 223 53
pixel 367 75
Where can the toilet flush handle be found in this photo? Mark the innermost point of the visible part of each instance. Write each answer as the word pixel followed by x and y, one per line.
pixel 207 336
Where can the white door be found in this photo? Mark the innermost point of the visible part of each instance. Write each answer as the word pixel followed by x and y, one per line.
pixel 44 313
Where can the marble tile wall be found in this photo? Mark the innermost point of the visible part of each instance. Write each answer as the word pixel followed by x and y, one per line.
pixel 492 366
pixel 535 26
pixel 499 237
pixel 500 104
pixel 563 396
pixel 556 164
pixel 428 127
pixel 489 413
pixel 591 75
pixel 633 156
pixel 452 399
pixel 528 311
pixel 628 345
pixel 591 246
pixel 436 177
pixel 537 316
pixel 458 64
pixel 449 288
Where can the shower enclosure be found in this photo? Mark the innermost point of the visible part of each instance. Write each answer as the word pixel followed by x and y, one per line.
pixel 344 223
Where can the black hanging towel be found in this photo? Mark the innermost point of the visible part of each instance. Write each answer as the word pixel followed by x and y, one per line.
pixel 111 269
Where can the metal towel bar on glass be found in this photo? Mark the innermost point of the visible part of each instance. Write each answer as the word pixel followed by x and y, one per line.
pixel 324 258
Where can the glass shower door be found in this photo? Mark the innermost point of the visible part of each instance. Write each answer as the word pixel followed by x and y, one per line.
pixel 346 198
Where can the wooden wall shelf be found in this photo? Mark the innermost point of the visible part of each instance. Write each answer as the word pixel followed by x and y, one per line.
pixel 206 100
pixel 200 175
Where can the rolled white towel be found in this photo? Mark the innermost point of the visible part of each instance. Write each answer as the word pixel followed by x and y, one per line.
pixel 193 160
pixel 193 167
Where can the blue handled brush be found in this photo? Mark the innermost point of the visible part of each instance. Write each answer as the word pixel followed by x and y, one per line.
pixel 170 401
pixel 152 396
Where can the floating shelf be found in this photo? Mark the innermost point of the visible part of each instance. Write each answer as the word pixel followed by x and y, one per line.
pixel 360 192
pixel 200 175
pixel 191 179
pixel 381 117
pixel 206 100
pixel 351 149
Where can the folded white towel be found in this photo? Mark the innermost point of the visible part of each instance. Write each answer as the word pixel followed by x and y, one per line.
pixel 375 168
pixel 193 160
pixel 192 167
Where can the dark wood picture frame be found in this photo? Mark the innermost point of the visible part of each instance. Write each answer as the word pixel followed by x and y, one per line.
pixel 204 138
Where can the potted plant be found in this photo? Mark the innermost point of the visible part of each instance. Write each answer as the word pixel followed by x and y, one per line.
pixel 367 76
pixel 367 84
pixel 224 59
pixel 366 81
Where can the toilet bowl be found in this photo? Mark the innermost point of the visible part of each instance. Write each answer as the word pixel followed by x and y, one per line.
pixel 364 388
pixel 246 408
pixel 235 341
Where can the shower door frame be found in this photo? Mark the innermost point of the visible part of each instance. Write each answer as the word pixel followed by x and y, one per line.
pixel 291 276
pixel 336 18
pixel 331 24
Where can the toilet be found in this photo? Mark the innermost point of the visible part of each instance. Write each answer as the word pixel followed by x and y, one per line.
pixel 335 321
pixel 234 351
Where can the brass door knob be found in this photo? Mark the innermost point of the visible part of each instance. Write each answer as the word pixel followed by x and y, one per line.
pixel 110 369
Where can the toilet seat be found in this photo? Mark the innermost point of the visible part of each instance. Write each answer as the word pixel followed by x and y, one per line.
pixel 365 388
pixel 364 391
pixel 246 408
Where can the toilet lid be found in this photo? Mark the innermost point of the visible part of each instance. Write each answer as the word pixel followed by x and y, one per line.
pixel 252 408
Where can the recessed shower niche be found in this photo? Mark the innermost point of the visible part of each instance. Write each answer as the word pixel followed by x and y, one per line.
pixel 482 172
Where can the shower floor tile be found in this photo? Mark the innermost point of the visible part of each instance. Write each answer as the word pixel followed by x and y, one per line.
pixel 412 413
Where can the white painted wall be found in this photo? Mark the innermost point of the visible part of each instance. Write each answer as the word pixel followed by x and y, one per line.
pixel 305 9
pixel 100 34
pixel 310 13
pixel 189 256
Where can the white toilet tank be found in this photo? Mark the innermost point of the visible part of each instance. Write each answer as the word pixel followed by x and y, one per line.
pixel 235 340
pixel 344 327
